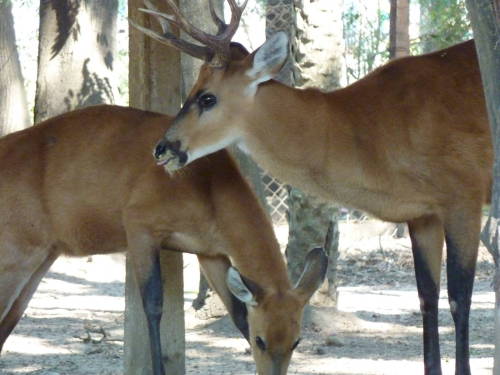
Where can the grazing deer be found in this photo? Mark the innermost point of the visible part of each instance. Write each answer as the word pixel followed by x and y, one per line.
pixel 85 183
pixel 410 143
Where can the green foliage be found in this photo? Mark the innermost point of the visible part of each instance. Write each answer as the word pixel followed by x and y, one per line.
pixel 366 37
pixel 443 23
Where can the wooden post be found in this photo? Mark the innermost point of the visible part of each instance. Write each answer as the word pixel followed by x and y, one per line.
pixel 155 84
pixel 399 34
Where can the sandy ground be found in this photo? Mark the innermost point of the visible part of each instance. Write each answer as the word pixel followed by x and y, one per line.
pixel 74 324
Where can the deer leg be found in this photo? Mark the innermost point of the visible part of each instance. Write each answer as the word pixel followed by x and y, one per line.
pixel 17 309
pixel 215 270
pixel 427 245
pixel 147 271
pixel 462 230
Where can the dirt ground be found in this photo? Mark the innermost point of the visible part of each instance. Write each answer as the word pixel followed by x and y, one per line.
pixel 74 324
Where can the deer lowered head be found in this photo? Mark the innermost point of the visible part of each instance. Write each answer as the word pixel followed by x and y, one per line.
pixel 275 333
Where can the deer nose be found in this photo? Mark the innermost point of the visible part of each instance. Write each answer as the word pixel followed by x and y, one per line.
pixel 160 149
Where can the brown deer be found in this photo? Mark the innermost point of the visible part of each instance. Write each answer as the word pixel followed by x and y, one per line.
pixel 85 183
pixel 410 143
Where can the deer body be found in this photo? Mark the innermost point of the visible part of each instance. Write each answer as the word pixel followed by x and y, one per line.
pixel 85 183
pixel 397 144
pixel 410 143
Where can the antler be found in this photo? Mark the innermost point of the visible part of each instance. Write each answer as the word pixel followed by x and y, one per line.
pixel 214 48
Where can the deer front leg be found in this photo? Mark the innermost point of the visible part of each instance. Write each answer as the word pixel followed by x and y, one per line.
pixel 215 270
pixel 427 240
pixel 145 260
pixel 462 227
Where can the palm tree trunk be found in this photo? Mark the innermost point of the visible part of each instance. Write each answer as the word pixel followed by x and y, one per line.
pixel 315 61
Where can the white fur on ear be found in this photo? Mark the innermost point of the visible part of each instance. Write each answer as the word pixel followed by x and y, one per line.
pixel 238 287
pixel 269 58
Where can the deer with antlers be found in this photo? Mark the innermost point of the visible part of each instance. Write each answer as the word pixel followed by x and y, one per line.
pixel 63 190
pixel 410 143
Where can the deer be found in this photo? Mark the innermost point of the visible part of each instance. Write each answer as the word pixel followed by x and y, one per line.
pixel 68 187
pixel 408 143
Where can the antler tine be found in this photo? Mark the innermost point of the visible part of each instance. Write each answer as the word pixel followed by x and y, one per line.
pixel 221 26
pixel 236 12
pixel 190 29
pixel 171 40
pixel 163 19
pixel 215 48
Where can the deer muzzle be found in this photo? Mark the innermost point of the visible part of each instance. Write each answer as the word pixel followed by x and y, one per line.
pixel 170 155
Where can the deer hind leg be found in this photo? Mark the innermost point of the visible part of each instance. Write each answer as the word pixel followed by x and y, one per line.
pixel 145 260
pixel 215 270
pixel 16 311
pixel 427 240
pixel 462 228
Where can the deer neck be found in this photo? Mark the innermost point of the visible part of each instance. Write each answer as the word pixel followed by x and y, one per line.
pixel 304 138
pixel 246 232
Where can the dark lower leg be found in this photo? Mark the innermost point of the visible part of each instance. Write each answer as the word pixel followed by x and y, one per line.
pixel 428 293
pixel 460 284
pixel 427 245
pixel 152 297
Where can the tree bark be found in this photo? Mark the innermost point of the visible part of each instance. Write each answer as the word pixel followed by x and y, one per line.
pixel 13 104
pixel 399 36
pixel 280 16
pixel 315 61
pixel 485 19
pixel 76 55
pixel 154 84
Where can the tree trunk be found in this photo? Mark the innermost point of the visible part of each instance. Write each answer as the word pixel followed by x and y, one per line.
pixel 13 104
pixel 399 46
pixel 280 16
pixel 75 55
pixel 154 84
pixel 485 19
pixel 399 36
pixel 315 61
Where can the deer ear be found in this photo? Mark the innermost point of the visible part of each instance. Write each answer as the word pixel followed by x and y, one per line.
pixel 242 288
pixel 313 275
pixel 269 58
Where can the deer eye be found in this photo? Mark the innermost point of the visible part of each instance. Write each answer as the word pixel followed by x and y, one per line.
pixel 260 343
pixel 207 101
pixel 295 344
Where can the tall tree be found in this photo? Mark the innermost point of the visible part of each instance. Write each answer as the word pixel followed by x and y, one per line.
pixel 315 61
pixel 76 55
pixel 399 46
pixel 442 23
pixel 13 104
pixel 154 84
pixel 365 38
pixel 485 19
pixel 399 36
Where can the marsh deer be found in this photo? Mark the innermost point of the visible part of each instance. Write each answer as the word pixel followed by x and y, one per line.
pixel 85 183
pixel 410 143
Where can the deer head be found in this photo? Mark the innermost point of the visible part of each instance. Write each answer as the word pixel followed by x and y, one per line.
pixel 275 333
pixel 213 115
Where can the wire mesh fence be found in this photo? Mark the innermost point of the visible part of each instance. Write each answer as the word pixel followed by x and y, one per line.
pixel 276 196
